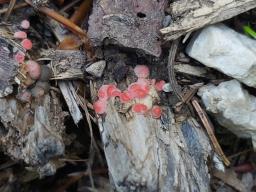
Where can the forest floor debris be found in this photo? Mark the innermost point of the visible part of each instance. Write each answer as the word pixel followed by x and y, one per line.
pixel 51 73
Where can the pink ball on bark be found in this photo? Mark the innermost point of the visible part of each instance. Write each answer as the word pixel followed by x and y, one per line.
pixel 125 97
pixel 25 24
pixel 159 85
pixel 156 112
pixel 100 106
pixel 26 44
pixel 141 71
pixel 19 57
pixel 139 108
pixel 20 35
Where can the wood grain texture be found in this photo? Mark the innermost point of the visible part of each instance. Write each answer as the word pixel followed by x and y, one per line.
pixel 145 154
pixel 190 15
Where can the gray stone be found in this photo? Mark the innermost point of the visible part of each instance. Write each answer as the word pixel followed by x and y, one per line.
pixel 96 69
pixel 232 106
pixel 222 48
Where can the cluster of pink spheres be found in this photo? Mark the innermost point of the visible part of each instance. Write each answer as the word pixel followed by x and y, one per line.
pixel 25 42
pixel 137 90
pixel 33 68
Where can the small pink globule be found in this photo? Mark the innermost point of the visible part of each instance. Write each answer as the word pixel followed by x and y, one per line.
pixel 20 35
pixel 156 112
pixel 141 71
pixel 34 69
pixel 139 108
pixel 159 85
pixel 25 24
pixel 103 92
pixel 125 97
pixel 19 57
pixel 138 90
pixel 143 82
pixel 100 106
pixel 113 91
pixel 26 44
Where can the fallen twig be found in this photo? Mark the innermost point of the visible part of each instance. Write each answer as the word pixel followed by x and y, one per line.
pixel 229 177
pixel 81 12
pixel 20 5
pixel 171 73
pixel 9 11
pixel 209 128
pixel 70 25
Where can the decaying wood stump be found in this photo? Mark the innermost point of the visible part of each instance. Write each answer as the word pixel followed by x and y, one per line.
pixel 190 15
pixel 145 154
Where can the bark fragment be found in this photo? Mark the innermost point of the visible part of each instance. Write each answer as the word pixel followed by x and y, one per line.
pixel 32 133
pixel 129 23
pixel 190 15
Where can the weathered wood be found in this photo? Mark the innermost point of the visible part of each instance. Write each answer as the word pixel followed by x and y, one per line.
pixel 63 68
pixel 8 67
pixel 68 91
pixel 145 154
pixel 32 133
pixel 66 64
pixel 190 15
pixel 129 23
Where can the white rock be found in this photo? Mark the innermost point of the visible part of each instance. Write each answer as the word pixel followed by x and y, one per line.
pixel 167 88
pixel 96 69
pixel 232 106
pixel 222 48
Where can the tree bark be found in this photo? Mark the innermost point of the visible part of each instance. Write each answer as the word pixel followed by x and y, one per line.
pixel 190 15
pixel 145 154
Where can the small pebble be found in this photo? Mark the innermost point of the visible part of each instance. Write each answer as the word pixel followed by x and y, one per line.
pixel 25 24
pixel 96 69
pixel 167 88
pixel 26 44
pixel 167 21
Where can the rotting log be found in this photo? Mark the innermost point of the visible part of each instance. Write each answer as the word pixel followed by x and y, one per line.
pixel 145 154
pixel 190 15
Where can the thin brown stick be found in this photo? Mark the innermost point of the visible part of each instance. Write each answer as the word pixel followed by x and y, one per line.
pixel 69 6
pixel 71 26
pixel 81 12
pixel 18 6
pixel 209 128
pixel 9 11
pixel 56 16
pixel 59 2
pixel 4 1
pixel 171 73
